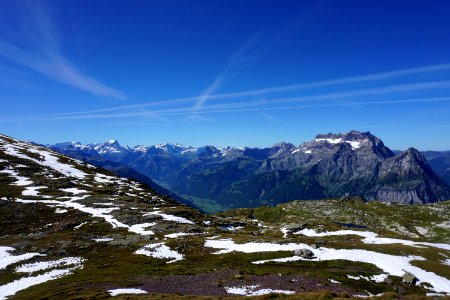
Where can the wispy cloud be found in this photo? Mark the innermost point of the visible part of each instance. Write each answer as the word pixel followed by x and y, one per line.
pixel 236 60
pixel 231 102
pixel 267 117
pixel 30 38
pixel 375 77
pixel 225 108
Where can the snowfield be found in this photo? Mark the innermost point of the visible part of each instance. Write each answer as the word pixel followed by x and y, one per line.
pixel 48 159
pixel 371 238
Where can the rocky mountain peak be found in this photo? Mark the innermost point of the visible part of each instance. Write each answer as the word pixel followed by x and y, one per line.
pixel 365 141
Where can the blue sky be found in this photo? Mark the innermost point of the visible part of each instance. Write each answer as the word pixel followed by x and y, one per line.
pixel 239 73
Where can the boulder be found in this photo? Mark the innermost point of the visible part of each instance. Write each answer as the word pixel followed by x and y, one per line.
pixel 409 278
pixel 304 253
pixel 291 228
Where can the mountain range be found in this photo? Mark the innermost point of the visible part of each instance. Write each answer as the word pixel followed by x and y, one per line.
pixel 330 166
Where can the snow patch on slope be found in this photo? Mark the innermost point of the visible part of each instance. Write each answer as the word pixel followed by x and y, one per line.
pixel 48 159
pixel 390 264
pixel 371 238
pixel 168 217
pixel 160 250
pixel 116 292
pixel 253 290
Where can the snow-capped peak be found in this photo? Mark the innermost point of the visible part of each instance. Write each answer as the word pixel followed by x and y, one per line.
pixel 356 139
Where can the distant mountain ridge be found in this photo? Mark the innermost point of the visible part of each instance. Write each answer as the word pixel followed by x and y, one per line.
pixel 331 165
pixel 107 156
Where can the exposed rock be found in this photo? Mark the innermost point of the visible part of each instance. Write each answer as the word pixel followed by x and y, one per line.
pixel 304 253
pixel 291 228
pixel 409 278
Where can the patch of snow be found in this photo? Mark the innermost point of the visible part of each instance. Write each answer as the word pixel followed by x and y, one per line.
pixel 177 234
pixel 369 295
pixel 32 190
pixel 12 288
pixel 104 213
pixel 207 222
pixel 379 278
pixel 331 141
pixel 371 238
pixel 20 166
pixel 104 203
pixel 60 211
pixel 116 292
pixel 376 278
pixel 80 225
pixel 228 245
pixel 7 259
pixel 49 160
pixel 334 281
pixel 74 191
pixel 231 228
pixel 295 151
pixel 103 240
pixel 285 231
pixel 101 178
pixel 20 180
pixel 140 228
pixel 355 144
pixel 446 262
pixel 253 290
pixel 26 201
pixel 308 151
pixel 160 250
pixel 45 265
pixel 172 218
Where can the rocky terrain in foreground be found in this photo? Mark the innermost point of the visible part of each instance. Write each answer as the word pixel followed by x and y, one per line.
pixel 69 230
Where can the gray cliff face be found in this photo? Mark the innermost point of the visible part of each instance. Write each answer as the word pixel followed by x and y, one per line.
pixel 331 165
pixel 408 177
